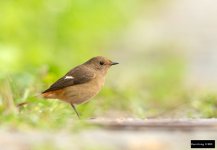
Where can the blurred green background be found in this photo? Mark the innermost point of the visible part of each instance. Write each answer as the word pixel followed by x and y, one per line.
pixel 40 40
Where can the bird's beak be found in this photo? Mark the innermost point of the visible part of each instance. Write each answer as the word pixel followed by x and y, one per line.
pixel 114 63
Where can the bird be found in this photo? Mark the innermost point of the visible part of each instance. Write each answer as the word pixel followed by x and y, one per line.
pixel 81 83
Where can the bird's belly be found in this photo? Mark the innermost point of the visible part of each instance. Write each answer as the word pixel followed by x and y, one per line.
pixel 82 92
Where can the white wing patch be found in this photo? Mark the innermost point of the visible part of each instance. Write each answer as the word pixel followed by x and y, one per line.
pixel 69 77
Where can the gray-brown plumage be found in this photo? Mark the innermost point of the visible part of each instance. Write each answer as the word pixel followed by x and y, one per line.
pixel 81 83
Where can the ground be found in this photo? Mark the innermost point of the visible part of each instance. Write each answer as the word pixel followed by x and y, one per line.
pixel 128 134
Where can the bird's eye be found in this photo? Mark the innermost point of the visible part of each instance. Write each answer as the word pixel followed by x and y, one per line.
pixel 101 63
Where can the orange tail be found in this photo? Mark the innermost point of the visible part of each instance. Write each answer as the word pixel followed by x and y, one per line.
pixel 48 95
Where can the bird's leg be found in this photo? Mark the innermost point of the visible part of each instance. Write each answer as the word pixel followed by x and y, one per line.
pixel 75 110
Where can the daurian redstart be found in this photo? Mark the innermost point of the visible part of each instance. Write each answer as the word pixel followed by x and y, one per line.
pixel 81 83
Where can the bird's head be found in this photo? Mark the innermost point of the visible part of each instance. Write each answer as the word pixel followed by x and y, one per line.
pixel 100 64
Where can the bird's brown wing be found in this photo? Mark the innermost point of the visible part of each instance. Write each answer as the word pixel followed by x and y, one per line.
pixel 78 75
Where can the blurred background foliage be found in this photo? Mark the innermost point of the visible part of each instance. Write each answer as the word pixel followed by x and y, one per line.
pixel 40 40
